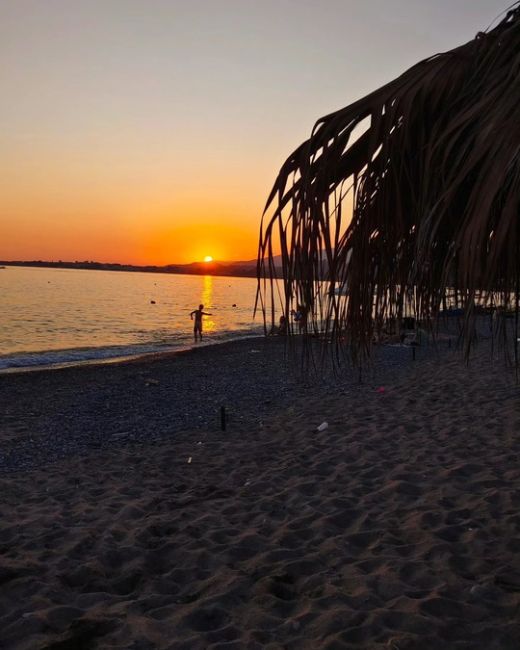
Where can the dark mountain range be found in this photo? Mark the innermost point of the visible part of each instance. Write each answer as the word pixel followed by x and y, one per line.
pixel 240 269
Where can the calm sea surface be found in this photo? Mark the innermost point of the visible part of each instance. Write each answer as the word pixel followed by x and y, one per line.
pixel 61 316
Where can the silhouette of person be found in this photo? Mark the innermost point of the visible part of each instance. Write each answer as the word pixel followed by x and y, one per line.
pixel 197 326
pixel 282 327
pixel 300 317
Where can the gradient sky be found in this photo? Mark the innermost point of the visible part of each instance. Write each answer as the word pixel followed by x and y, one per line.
pixel 151 131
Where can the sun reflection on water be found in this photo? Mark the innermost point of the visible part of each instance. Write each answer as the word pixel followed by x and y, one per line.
pixel 207 301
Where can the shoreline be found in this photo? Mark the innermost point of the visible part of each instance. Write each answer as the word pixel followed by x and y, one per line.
pixel 182 348
pixel 127 358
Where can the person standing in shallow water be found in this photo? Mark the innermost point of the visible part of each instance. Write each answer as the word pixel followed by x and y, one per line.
pixel 197 327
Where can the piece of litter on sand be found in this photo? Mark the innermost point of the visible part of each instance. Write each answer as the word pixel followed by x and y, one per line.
pixel 381 389
pixel 323 426
pixel 189 460
pixel 199 442
pixel 153 382
pixel 254 351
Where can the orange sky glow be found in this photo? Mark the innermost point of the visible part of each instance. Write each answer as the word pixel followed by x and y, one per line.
pixel 151 132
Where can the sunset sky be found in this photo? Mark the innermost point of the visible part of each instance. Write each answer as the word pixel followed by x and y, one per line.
pixel 151 131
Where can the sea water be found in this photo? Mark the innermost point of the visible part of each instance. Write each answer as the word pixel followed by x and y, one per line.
pixel 64 316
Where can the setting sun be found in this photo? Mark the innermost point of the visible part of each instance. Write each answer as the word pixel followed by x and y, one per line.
pixel 208 258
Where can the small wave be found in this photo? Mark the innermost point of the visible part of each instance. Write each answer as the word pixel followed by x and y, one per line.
pixel 80 356
pixel 74 356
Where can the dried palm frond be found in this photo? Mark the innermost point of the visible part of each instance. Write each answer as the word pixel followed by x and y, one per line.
pixel 405 198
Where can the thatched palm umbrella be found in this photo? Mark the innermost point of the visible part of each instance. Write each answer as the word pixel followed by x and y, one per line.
pixel 405 197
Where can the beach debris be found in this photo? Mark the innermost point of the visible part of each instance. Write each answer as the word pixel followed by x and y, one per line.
pixel 485 591
pixel 477 591
pixel 291 624
pixel 247 483
pixel 234 304
pixel 381 389
pixel 323 426
pixel 152 302
pixel 189 460
pixel 152 382
pixel 253 351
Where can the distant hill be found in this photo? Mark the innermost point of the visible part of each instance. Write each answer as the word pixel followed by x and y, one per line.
pixel 239 269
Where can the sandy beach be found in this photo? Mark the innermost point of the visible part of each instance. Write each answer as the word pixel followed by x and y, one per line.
pixel 130 520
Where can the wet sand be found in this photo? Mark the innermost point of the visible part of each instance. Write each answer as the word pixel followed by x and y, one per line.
pixel 396 527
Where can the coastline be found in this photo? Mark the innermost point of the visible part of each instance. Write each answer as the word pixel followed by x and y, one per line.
pixel 127 521
pixel 246 269
pixel 124 358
